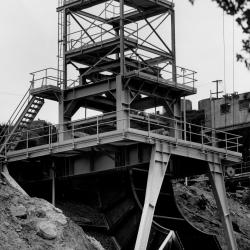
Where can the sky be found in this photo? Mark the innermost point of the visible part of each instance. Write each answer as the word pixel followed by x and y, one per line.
pixel 28 42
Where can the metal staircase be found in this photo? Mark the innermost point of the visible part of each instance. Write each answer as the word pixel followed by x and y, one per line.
pixel 20 120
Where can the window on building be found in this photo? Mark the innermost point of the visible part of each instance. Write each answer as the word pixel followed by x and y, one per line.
pixel 225 108
pixel 244 104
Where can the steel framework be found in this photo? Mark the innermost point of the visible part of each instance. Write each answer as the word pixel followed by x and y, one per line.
pixel 118 58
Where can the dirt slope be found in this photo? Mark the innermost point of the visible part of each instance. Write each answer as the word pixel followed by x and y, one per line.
pixel 198 206
pixel 30 223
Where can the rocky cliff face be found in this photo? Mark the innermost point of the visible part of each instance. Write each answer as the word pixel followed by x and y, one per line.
pixel 30 223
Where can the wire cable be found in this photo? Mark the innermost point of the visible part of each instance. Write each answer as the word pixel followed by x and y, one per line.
pixel 233 52
pixel 224 52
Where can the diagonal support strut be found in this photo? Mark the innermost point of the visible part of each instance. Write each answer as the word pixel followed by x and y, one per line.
pixel 157 169
pixel 217 181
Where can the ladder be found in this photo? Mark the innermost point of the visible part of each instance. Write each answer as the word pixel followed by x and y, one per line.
pixel 19 121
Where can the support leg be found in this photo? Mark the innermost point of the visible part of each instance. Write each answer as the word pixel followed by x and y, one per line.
pixel 157 170
pixel 219 191
pixel 53 195
pixel 166 241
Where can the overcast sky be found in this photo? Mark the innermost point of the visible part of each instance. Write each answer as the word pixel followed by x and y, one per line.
pixel 29 43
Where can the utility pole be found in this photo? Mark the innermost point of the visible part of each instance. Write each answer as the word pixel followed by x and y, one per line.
pixel 217 92
pixel 212 107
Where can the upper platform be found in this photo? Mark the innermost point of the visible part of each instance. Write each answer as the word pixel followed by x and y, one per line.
pixel 46 84
pixel 91 53
pixel 75 5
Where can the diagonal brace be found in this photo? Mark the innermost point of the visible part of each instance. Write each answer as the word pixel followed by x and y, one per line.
pixel 157 169
pixel 217 180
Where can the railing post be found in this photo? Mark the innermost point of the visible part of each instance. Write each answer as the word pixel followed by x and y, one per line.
pixel 97 127
pixel 193 79
pixel 226 140
pixel 183 77
pixel 237 144
pixel 27 139
pixel 49 136
pixel 46 77
pixel 148 126
pixel 190 138
pixel 73 131
pixel 202 139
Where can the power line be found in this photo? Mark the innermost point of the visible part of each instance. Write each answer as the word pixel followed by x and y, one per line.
pixel 233 51
pixel 224 51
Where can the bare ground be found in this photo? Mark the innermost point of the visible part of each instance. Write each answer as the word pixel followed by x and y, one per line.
pixel 34 224
pixel 199 207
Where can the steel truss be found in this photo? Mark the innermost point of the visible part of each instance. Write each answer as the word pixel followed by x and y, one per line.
pixel 102 40
pixel 115 57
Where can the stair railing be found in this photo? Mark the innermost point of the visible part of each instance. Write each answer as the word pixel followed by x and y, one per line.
pixel 15 115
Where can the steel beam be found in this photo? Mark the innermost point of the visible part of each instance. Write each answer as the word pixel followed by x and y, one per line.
pixel 171 145
pixel 89 15
pixel 217 180
pixel 157 169
pixel 88 90
pixel 167 240
pixel 53 186
pixel 135 16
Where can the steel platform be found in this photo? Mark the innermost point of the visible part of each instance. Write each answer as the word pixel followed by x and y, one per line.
pixel 127 137
pixel 151 82
pixel 75 5
pixel 49 92
pixel 90 54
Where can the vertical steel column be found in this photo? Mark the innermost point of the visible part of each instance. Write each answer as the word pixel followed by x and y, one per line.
pixel 157 169
pixel 173 45
pixel 53 178
pixel 122 56
pixel 65 41
pixel 121 93
pixel 62 118
pixel 217 180
pixel 177 104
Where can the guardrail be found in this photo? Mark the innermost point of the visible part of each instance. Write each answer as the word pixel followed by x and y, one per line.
pixel 137 120
pixel 163 70
pixel 46 77
pixel 98 34
pixel 7 128
pixel 159 124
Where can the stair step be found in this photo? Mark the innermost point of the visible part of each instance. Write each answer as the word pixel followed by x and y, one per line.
pixel 25 119
pixel 29 112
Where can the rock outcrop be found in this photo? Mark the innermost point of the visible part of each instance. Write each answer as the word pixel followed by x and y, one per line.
pixel 35 224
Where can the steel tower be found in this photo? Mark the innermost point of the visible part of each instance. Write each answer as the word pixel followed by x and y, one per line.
pixel 118 59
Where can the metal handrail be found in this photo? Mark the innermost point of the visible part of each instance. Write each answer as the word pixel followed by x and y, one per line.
pixel 229 140
pixel 150 123
pixel 84 40
pixel 7 128
pixel 186 77
pixel 45 77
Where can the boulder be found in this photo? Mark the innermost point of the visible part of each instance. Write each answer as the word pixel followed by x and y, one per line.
pixel 47 230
